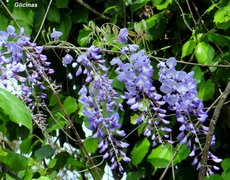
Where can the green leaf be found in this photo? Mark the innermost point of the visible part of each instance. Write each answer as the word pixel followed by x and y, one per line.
pixel 44 152
pixel 138 5
pixel 54 15
pixel 133 119
pixel 80 17
pixel 91 145
pixel 198 74
pixel 70 105
pixel 225 175
pixel 224 25
pixel 61 123
pixel 136 175
pixel 188 48
pixel 212 7
pixel 26 145
pixel 214 177
pixel 61 3
pixel 14 161
pixel 62 158
pixel 181 155
pixel 2 152
pixel 4 23
pixel 116 83
pixel 207 90
pixel 161 4
pixel 26 15
pixel 204 53
pixel 225 164
pixel 15 109
pixel 139 151
pixel 110 8
pixel 222 15
pixel 153 20
pixel 53 101
pixel 160 156
pixel 52 163
pixel 83 38
pixel 42 178
pixel 143 104
pixel 65 26
pixel 75 164
pixel 218 39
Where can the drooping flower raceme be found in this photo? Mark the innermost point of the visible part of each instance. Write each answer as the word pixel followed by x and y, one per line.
pixel 141 95
pixel 22 67
pixel 101 103
pixel 180 93
pixel 177 94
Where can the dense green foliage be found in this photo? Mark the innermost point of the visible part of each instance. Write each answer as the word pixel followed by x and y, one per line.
pixel 196 33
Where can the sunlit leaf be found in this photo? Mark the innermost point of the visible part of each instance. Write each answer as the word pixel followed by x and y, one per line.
pixel 161 4
pixel 139 151
pixel 207 90
pixel 162 155
pixel 198 74
pixel 91 145
pixel 188 48
pixel 222 15
pixel 14 161
pixel 70 105
pixel 15 109
pixel 204 53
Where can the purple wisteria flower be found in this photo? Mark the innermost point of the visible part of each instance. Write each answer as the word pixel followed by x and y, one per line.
pixel 100 102
pixel 56 35
pixel 141 95
pixel 123 36
pixel 180 93
pixel 67 59
pixel 23 71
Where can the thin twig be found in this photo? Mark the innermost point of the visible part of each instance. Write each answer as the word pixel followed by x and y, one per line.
pixel 168 165
pixel 43 20
pixel 80 49
pixel 11 15
pixel 212 125
pixel 119 52
pixel 182 13
pixel 213 104
pixel 195 64
pixel 78 137
pixel 189 8
pixel 92 9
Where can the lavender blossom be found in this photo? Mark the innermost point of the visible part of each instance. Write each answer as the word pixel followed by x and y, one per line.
pixel 100 106
pixel 123 35
pixel 56 35
pixel 141 95
pixel 180 93
pixel 22 71
pixel 67 59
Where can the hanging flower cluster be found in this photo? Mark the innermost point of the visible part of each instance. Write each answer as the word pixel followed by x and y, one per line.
pixel 22 67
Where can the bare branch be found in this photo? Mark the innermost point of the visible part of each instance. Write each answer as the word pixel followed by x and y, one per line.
pixel 92 10
pixel 43 20
pixel 212 125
